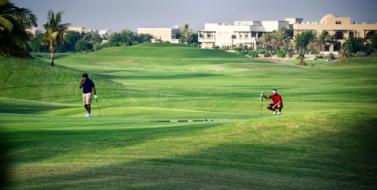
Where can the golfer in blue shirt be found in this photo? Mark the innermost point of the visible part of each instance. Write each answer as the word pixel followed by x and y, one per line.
pixel 88 89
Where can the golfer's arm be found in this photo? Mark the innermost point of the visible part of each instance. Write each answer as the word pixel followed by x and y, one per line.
pixel 82 84
pixel 94 90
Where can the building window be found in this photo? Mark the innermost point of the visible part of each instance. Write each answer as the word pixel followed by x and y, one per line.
pixel 338 35
pixel 338 22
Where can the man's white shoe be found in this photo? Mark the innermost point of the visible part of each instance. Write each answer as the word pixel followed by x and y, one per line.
pixel 279 113
pixel 274 113
pixel 87 115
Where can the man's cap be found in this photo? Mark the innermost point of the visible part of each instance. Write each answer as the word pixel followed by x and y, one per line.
pixel 274 90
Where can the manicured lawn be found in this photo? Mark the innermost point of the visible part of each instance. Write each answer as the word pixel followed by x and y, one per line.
pixel 325 138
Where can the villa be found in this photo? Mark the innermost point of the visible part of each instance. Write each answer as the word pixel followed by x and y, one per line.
pixel 239 33
pixel 341 28
pixel 170 35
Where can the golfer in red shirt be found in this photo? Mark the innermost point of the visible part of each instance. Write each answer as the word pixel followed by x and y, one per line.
pixel 277 102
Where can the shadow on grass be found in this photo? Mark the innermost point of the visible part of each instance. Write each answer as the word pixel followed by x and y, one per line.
pixel 39 145
pixel 21 108
pixel 4 162
pixel 341 159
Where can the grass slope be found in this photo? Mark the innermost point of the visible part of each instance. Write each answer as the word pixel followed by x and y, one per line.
pixel 324 139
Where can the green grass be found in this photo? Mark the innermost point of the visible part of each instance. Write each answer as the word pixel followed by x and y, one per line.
pixel 324 139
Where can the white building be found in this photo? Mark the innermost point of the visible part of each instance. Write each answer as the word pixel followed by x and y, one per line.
pixel 80 29
pixel 34 31
pixel 292 20
pixel 239 33
pixel 170 35
pixel 104 33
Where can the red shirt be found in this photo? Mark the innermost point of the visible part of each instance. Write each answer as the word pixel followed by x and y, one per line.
pixel 276 98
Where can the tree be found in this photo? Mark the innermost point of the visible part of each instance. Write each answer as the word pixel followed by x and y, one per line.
pixel 185 34
pixel 13 24
pixel 35 44
pixel 95 39
pixel 302 41
pixel 373 41
pixel 280 39
pixel 351 46
pixel 83 45
pixel 277 40
pixel 141 38
pixel 70 40
pixel 127 37
pixel 55 31
pixel 193 39
pixel 115 39
pixel 233 37
pixel 320 41
pixel 265 40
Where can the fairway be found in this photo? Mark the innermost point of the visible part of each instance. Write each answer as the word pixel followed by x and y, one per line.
pixel 324 139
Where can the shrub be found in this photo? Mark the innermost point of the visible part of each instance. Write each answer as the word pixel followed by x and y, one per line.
pixel 83 45
pixel 261 51
pixel 281 53
pixel 267 54
pixel 253 53
pixel 319 56
pixel 244 52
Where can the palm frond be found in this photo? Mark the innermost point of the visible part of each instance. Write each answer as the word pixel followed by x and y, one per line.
pixel 5 24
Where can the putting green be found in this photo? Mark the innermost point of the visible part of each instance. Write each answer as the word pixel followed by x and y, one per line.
pixel 324 139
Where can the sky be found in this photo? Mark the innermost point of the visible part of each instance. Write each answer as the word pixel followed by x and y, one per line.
pixel 131 14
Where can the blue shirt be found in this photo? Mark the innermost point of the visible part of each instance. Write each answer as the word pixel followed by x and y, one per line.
pixel 87 87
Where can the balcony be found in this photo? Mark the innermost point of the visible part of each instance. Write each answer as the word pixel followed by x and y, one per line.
pixel 206 36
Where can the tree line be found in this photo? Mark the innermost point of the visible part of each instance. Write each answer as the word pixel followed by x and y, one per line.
pixel 16 41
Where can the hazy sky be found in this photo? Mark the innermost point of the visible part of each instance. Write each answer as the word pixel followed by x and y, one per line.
pixel 130 14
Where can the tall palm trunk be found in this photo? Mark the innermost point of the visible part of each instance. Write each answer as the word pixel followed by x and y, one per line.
pixel 52 49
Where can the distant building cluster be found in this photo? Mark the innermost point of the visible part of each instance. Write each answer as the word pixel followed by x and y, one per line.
pixel 341 28
pixel 170 35
pixel 239 33
pixel 246 33
pixel 104 33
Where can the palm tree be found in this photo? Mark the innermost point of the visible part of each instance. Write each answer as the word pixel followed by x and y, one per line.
pixel 55 31
pixel 185 33
pixel 322 40
pixel 279 39
pixel 233 37
pixel 13 24
pixel 318 43
pixel 302 41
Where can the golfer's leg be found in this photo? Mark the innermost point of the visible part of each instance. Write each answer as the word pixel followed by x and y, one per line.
pixel 270 107
pixel 84 102
pixel 89 109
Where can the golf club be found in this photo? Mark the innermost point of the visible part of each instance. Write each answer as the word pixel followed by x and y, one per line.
pixel 99 110
pixel 261 99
